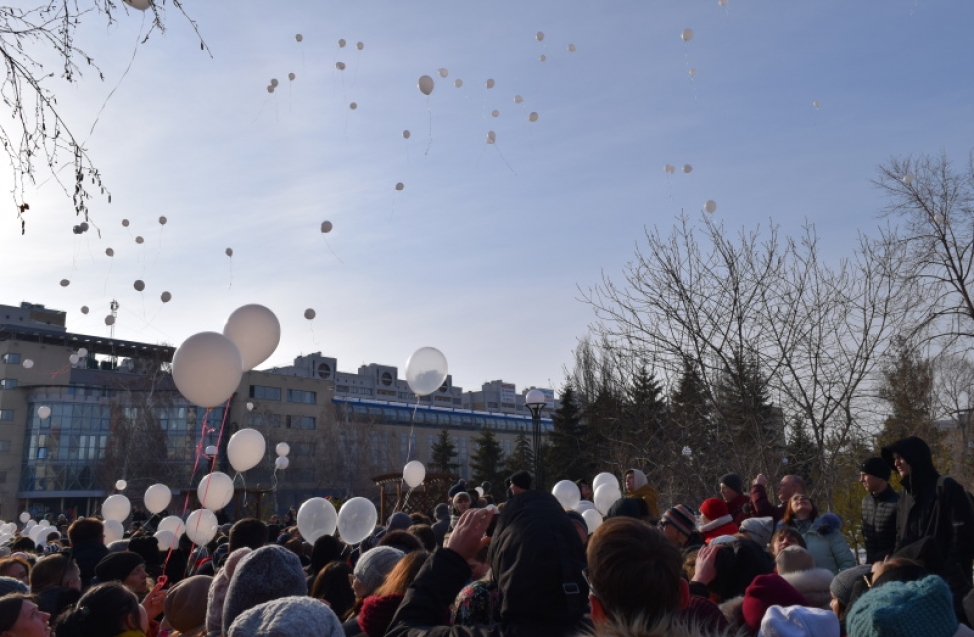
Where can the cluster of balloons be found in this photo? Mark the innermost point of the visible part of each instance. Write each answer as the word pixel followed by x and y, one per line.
pixel 355 522
pixel 208 366
pixel 282 462
pixel 426 370
pixel 568 495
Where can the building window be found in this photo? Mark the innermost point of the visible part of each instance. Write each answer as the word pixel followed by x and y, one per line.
pixel 10 359
pixel 299 396
pixel 265 393
pixel 300 422
pixel 4 445
pixel 8 383
pixel 341 388
pixel 6 415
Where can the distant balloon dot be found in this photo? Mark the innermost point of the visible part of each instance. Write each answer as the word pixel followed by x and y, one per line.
pixel 84 226
pixel 571 48
pixel 139 240
pixel 518 99
pixel 816 103
pixel 425 84
pixel 139 285
pixel 443 72
pixel 939 218
pixel 163 221
pixel 400 186
pixel 533 117
pixel 495 113
pixel 542 58
pixel 491 137
pixel 73 359
pixel 722 3
pixel 82 352
pixel 121 485
pixel 686 35
pixel 539 36
pixel 490 83
pixel 274 82
pixel 298 37
pixel 84 309
pixel 166 297
pixel 125 223
pixel 669 169
pixel 687 168
pixel 353 106
pixel 341 43
pixel 360 45
pixel 270 89
pixel 229 252
pixel 340 66
pixel 326 227
pixel 309 314
pixel 250 406
pixel 405 134
pixel 109 320
pixel 710 206
pixel 692 72
pixel 109 252
pixel 65 283
pixel 291 76
pixel 907 179
pixel 28 363
pixel 458 83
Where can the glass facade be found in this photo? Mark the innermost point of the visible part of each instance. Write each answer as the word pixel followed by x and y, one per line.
pixel 390 414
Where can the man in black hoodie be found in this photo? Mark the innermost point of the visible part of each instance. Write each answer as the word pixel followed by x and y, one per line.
pixel 932 506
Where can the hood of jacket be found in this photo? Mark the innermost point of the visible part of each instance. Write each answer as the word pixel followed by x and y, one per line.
pixel 826 524
pixel 639 479
pixel 916 452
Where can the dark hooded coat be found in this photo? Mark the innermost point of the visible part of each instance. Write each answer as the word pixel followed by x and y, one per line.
pixel 930 507
pixel 536 558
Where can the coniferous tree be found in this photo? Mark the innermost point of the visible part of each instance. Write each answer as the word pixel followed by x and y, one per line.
pixel 442 454
pixel 563 459
pixel 908 389
pixel 522 457
pixel 749 430
pixel 487 462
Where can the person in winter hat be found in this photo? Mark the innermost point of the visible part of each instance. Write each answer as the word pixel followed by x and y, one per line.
pixel 732 491
pixel 217 594
pixel 822 534
pixel 763 593
pixel 185 606
pixel 758 529
pixel 678 524
pixel 287 617
pixel 799 621
pixel 442 524
pixel 269 573
pixel 519 482
pixel 904 609
pixel 637 486
pixel 125 567
pixel 878 509
pixel 797 566
pixel 715 520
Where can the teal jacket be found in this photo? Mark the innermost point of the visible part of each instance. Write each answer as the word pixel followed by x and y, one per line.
pixel 824 540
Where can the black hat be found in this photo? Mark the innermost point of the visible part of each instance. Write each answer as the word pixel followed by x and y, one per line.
pixel 521 479
pixel 115 567
pixel 876 467
pixel 733 481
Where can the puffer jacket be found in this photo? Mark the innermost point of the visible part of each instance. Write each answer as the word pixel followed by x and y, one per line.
pixel 879 523
pixel 824 540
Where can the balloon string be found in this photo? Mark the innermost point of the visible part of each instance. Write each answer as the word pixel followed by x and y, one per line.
pixel 429 108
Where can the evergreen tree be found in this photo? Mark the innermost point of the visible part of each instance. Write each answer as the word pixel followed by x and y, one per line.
pixel 908 388
pixel 690 411
pixel 442 454
pixel 645 410
pixel 487 462
pixel 522 457
pixel 802 455
pixel 564 458
pixel 752 435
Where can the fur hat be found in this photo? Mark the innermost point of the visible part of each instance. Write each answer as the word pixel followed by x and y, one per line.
pixel 372 568
pixel 876 467
pixel 793 559
pixel 115 567
pixel 758 529
pixel 904 609
pixel 799 621
pixel 287 617
pixel 185 605
pixel 733 481
pixel 681 517
pixel 269 573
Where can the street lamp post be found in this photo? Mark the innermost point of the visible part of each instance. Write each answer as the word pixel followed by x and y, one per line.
pixel 535 401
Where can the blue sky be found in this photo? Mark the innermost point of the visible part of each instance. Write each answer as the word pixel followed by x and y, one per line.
pixel 483 252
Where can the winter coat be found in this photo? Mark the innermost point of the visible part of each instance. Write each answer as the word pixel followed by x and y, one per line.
pixel 675 625
pixel 824 540
pixel 646 492
pixel 739 508
pixel 536 558
pixel 879 523
pixel 761 507
pixel 87 555
pixel 924 510
pixel 814 585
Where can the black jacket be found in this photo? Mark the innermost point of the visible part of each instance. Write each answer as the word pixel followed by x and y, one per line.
pixel 926 510
pixel 879 523
pixel 87 555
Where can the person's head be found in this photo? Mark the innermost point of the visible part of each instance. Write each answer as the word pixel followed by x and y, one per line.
pixel 424 533
pixel 402 574
pixel 20 617
pixel 910 456
pixel 372 568
pixel 731 486
pixel 86 530
pixel 800 507
pixel 125 567
pixel 677 524
pixel 104 610
pixel 461 502
pixel 899 609
pixel 333 585
pixel 634 571
pixel 584 488
pixel 519 482
pixel 842 587
pixel 634 479
pixel 789 486
pixel 287 617
pixel 269 573
pixel 55 571
pixel 249 532
pixel 185 606
pixel 757 530
pixel 785 537
pixel 402 540
pixel 325 550
pixel 874 475
pixel 15 567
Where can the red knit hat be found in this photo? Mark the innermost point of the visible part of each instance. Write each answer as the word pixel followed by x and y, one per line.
pixel 377 612
pixel 767 591
pixel 713 508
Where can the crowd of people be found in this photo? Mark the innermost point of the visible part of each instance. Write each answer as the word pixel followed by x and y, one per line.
pixel 736 564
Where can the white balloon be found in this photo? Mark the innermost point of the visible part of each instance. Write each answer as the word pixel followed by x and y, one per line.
pixel 113 531
pixel 44 523
pixel 495 113
pixel 298 37
pixel 605 478
pixel 426 85
pixel 584 505
pixel 414 473
pixel 340 66
pixel 533 117
pixel 250 406
pixel 65 283
pixel 201 526
pixel 309 314
pixel 157 498
pixel 109 320
pixel 360 45
pixel 207 369
pixel 341 43
pixel 228 252
pixel 571 48
pixel 109 252
pixel 710 206
pixel 458 83
pixel 281 462
pixel 30 524
pixel 405 134
pixel 518 99
pixel 215 490
pixel 125 223
pixel 356 520
pixel 490 83
pixel 400 185
pixel 542 58
pixel 82 352
pixel 173 524
pixel 443 72
pixel 326 227
pixel 84 309
pixel 686 35
pixel 907 179
pixel 722 3
pixel 28 363
pixel 162 221
pixel 317 517
pixel 480 491
pixel 353 105
pixel 291 76
pixel 274 82
pixel 692 72
pixel 246 449
pixel 73 359
pixel 46 534
pixel 24 516
pixel 539 36
pixel 121 485
pixel 139 285
pixel 687 169
pixel 605 496
pixel 669 169
pixel 426 370
pixel 139 240
pixel 592 520
pixel 166 540
pixel 116 507
pixel 282 449
pixel 166 297
pixel 491 137
pixel 567 494
pixel 210 450
pixel 141 5
pixel 816 103
pixel 44 412
pixel 255 331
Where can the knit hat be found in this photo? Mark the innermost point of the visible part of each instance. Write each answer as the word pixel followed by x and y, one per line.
pixel 270 572
pixel 758 529
pixel 12 585
pixel 398 521
pixel 733 481
pixel 115 567
pixel 681 517
pixel 628 507
pixel 763 593
pixel 799 621
pixel 185 605
pixel 457 488
pixel 793 559
pixel 521 479
pixel 844 583
pixel 904 608
pixel 713 508
pixel 217 595
pixel 376 613
pixel 876 467
pixel 442 511
pixel 287 617
pixel 372 568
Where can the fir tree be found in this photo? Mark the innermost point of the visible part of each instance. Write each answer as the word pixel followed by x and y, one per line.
pixel 908 388
pixel 564 458
pixel 442 454
pixel 487 462
pixel 522 458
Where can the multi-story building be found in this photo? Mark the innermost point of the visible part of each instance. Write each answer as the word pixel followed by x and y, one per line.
pixel 114 413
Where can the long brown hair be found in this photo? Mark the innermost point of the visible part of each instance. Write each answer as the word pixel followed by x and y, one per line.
pixel 790 512
pixel 402 574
